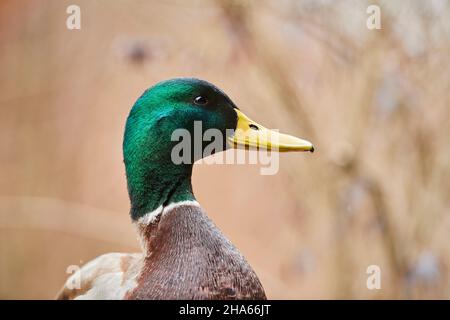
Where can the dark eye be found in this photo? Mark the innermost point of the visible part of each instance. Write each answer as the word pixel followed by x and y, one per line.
pixel 200 100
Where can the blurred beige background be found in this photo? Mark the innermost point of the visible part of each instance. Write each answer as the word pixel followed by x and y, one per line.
pixel 374 102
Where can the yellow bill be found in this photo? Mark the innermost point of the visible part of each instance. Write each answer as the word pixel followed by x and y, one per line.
pixel 250 134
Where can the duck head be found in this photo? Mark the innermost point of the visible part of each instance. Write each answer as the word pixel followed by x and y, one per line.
pixel 192 107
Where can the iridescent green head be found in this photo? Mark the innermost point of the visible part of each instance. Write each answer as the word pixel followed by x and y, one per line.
pixel 154 179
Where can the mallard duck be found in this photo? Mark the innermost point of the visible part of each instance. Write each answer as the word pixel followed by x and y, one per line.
pixel 184 255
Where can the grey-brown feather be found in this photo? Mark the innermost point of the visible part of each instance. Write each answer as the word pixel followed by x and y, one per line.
pixel 189 258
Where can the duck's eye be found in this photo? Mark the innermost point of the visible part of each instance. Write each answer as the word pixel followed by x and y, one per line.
pixel 200 100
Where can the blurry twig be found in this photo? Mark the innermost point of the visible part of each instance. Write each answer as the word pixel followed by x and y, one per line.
pixel 238 18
